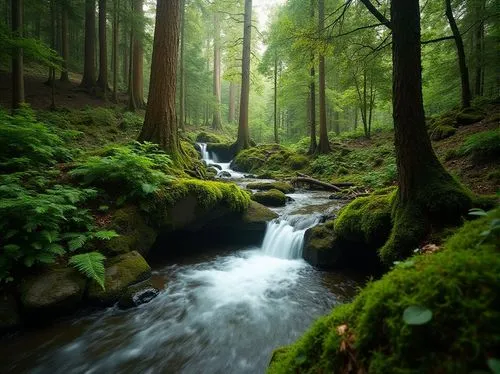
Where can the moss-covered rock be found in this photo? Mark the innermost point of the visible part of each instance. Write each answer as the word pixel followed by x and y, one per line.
pixel 55 291
pixel 459 285
pixel 265 186
pixel 121 272
pixel 138 294
pixel 258 213
pixel 135 234
pixel 321 248
pixel 442 132
pixel 298 162
pixel 271 157
pixel 469 116
pixel 223 151
pixel 272 197
pixel 205 137
pixel 9 312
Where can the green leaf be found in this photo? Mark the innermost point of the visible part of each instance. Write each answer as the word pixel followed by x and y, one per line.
pixel 148 188
pixel 91 265
pixel 11 248
pixel 477 212
pixel 50 236
pixel 45 258
pixel 417 315
pixel 105 235
pixel 494 365
pixel 77 242
pixel 29 261
pixel 55 249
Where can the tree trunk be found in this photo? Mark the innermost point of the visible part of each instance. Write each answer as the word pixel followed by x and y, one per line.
pixel 312 96
pixel 17 55
pixel 64 43
pixel 52 78
pixel 324 145
pixel 116 6
pixel 216 121
pixel 125 54
pixel 182 88
pixel 276 139
pixel 137 53
pixel 464 72
pixel 132 105
pixel 88 80
pixel 243 140
pixel 232 102
pixel 102 81
pixel 479 47
pixel 160 123
pixel 355 118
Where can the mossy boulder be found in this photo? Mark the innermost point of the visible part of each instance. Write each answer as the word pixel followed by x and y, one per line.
pixel 258 213
pixel 10 317
pixel 459 285
pixel 272 197
pixel 121 272
pixel 265 186
pixel 321 248
pixel 264 156
pixel 134 233
pixel 469 116
pixel 298 162
pixel 55 291
pixel 138 294
pixel 442 132
pixel 223 151
pixel 205 137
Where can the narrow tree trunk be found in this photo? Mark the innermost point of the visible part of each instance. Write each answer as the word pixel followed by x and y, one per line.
pixel 479 47
pixel 232 102
pixel 17 55
pixel 182 80
pixel 160 123
pixel 243 140
pixel 336 117
pixel 207 103
pixel 64 43
pixel 137 53
pixel 88 80
pixel 216 121
pixel 324 144
pixel 116 6
pixel 372 104
pixel 313 145
pixel 102 81
pixel 276 139
pixel 52 78
pixel 132 105
pixel 464 72
pixel 355 118
pixel 126 57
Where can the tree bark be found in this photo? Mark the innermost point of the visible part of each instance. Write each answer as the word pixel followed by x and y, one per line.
pixel 324 144
pixel 216 120
pixel 243 140
pixel 312 96
pixel 276 138
pixel 479 47
pixel 17 55
pixel 64 43
pixel 114 62
pixel 89 80
pixel 52 78
pixel 160 123
pixel 464 71
pixel 137 54
pixel 232 102
pixel 132 105
pixel 182 80
pixel 102 80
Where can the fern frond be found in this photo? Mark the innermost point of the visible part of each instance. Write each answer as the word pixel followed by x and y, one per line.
pixel 91 265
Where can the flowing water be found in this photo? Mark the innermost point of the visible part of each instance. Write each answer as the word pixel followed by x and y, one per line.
pixel 223 311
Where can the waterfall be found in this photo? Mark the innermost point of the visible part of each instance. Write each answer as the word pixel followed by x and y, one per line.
pixel 285 236
pixel 204 153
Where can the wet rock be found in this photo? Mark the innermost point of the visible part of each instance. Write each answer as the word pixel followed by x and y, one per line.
pixel 265 186
pixel 258 213
pixel 121 272
pixel 250 176
pixel 216 166
pixel 9 312
pixel 53 292
pixel 138 294
pixel 320 246
pixel 225 174
pixel 272 197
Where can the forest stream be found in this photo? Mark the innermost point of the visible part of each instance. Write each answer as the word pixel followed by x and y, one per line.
pixel 223 311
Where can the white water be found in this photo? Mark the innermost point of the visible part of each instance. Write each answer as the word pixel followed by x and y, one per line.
pixel 210 158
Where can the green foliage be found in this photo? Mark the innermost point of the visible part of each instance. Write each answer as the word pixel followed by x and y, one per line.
pixel 130 120
pixel 456 285
pixel 26 143
pixel 442 132
pixel 91 265
pixel 386 176
pixel 132 171
pixel 483 146
pixel 96 117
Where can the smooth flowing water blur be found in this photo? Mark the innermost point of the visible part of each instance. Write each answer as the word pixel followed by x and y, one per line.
pixel 219 312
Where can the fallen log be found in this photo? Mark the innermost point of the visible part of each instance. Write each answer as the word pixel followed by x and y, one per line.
pixel 312 181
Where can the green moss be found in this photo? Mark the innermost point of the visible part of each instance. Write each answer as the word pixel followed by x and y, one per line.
pixel 206 137
pixel 272 197
pixel 439 202
pixel 442 132
pixel 459 285
pixel 223 151
pixel 257 213
pixel 366 220
pixel 264 186
pixel 298 162
pixel 469 116
pixel 321 237
pixel 264 157
pixel 483 146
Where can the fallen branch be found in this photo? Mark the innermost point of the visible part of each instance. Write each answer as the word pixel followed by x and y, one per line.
pixel 302 178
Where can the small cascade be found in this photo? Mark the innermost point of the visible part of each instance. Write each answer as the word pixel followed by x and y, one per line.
pixel 285 236
pixel 205 155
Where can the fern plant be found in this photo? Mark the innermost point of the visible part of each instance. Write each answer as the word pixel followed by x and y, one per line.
pixel 91 265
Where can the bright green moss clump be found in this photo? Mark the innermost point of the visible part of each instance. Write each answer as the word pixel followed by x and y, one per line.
pixel 458 284
pixel 272 197
pixel 264 186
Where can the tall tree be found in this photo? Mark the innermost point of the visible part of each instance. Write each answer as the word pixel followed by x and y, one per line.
pixel 102 81
pixel 313 145
pixel 216 121
pixel 243 140
pixel 116 5
pixel 462 64
pixel 275 99
pixel 324 144
pixel 232 102
pixel 427 195
pixel 160 122
pixel 17 56
pixel 137 54
pixel 88 79
pixel 64 42
pixel 182 66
